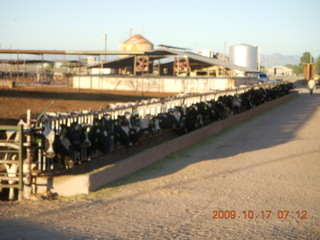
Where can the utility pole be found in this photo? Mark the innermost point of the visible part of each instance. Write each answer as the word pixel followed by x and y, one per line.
pixel 224 51
pixel 310 58
pixel 259 59
pixel 105 36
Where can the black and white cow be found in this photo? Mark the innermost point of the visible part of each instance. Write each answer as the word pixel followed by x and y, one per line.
pixel 49 138
pixel 125 134
pixel 80 142
pixel 74 144
pixel 98 137
pixel 192 117
pixel 62 148
pixel 108 127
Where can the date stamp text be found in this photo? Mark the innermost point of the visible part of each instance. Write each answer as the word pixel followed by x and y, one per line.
pixel 265 214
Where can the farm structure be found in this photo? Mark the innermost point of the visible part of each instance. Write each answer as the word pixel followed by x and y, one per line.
pixel 43 69
pixel 57 142
pixel 164 69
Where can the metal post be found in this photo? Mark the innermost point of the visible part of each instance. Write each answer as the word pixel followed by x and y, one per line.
pixel 259 59
pixel 42 66
pixel 18 72
pixel 79 65
pixel 310 58
pixel 105 36
pixel 134 65
pixel 28 182
pixel 20 162
pixel 25 71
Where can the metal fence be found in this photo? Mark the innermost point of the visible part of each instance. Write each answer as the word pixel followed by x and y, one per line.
pixel 13 176
pixel 152 106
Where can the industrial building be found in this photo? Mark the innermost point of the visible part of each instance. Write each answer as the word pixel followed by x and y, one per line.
pixel 278 71
pixel 176 61
pixel 140 67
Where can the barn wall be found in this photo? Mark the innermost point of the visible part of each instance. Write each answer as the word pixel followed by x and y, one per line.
pixel 85 183
pixel 155 84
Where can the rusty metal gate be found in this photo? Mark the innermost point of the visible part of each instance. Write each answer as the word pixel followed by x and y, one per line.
pixel 9 148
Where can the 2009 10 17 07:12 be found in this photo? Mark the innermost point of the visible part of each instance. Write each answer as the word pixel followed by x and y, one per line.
pixel 264 214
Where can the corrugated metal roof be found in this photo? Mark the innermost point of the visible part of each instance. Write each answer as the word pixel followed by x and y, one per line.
pixel 214 61
pixel 18 51
pixel 162 53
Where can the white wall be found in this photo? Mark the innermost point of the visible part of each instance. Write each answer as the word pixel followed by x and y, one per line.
pixel 156 84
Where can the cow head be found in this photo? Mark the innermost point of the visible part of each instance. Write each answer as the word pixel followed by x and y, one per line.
pixel 49 137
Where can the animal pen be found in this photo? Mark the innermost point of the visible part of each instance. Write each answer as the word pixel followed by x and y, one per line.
pixel 32 148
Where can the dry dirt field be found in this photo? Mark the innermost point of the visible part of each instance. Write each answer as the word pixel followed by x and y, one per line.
pixel 15 102
pixel 257 180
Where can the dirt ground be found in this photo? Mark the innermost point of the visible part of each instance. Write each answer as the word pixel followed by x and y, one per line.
pixel 15 102
pixel 265 172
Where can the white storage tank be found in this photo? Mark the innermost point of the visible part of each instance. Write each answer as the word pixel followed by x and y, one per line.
pixel 244 55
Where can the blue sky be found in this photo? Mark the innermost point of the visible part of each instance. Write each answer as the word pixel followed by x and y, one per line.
pixel 284 26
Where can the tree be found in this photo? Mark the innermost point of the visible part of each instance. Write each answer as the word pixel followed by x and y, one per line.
pixel 317 63
pixel 297 69
pixel 306 58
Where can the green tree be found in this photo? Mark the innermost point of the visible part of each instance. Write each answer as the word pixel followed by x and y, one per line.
pixel 297 69
pixel 289 66
pixel 306 58
pixel 317 63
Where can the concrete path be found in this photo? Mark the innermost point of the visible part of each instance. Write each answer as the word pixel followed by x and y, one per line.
pixel 257 180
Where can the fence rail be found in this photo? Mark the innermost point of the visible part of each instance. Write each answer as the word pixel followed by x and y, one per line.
pixel 6 150
pixel 145 107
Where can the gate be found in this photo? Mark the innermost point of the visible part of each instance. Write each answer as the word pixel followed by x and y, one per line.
pixel 14 177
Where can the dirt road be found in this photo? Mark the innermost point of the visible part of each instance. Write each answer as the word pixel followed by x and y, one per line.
pixel 266 170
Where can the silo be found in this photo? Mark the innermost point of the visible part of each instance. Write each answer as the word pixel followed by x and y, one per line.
pixel 137 43
pixel 244 55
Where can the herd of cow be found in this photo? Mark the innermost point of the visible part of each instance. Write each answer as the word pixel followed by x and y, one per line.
pixel 71 143
pixel 81 141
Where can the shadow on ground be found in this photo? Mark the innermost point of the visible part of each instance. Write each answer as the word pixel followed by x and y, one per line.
pixel 286 120
pixel 21 229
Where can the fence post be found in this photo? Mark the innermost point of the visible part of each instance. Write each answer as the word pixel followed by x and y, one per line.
pixel 27 189
pixel 20 162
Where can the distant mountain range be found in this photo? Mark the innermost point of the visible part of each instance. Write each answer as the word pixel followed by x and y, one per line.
pixel 278 59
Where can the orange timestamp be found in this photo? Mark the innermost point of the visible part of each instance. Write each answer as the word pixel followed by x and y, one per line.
pixel 265 214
